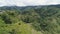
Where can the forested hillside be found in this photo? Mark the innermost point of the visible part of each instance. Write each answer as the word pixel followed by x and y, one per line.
pixel 30 20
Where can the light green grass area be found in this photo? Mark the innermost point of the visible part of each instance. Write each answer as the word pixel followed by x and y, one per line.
pixel 18 28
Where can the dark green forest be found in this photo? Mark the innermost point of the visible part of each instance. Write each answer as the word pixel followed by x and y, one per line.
pixel 30 20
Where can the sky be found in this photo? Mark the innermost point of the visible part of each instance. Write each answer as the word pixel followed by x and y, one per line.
pixel 28 2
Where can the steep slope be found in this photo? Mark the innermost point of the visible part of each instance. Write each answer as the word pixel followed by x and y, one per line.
pixel 10 23
pixel 30 20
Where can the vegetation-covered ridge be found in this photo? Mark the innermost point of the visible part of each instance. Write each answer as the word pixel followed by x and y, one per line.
pixel 30 20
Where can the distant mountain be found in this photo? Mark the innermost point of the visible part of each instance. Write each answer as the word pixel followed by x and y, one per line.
pixel 27 7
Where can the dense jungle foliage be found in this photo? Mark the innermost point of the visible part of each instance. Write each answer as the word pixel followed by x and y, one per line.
pixel 30 20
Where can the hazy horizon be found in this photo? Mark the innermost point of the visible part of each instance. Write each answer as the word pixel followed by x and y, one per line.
pixel 28 2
